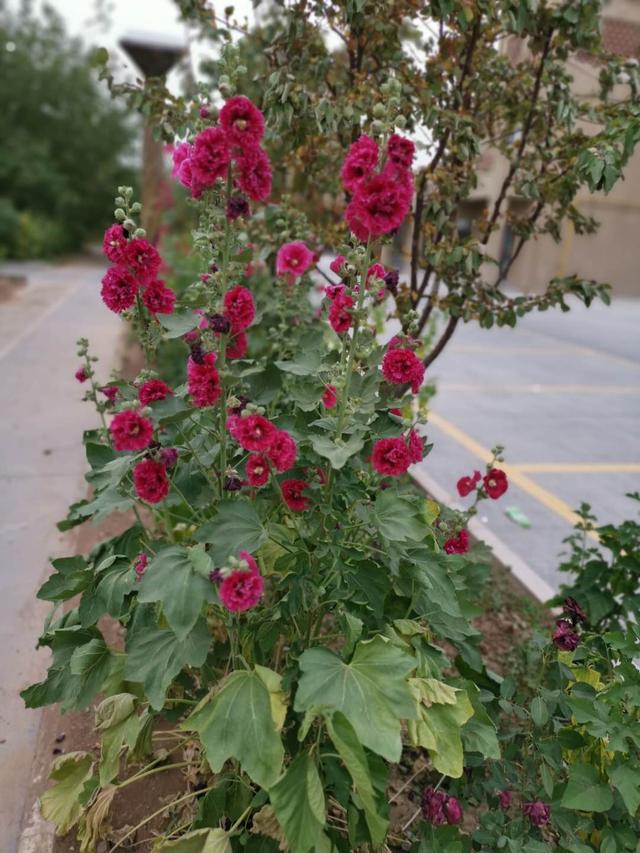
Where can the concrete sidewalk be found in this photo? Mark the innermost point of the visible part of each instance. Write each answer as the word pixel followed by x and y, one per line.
pixel 41 470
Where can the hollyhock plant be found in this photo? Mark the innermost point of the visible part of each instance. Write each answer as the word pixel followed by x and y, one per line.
pixel 203 381
pixel 254 175
pixel 169 456
pixel 565 637
pixel 415 443
pixel 210 157
pixel 239 308
pixel 466 485
pixel 241 590
pixel 253 432
pixel 114 243
pixel 340 317
pixel 152 390
pixel 142 259
pixel 110 392
pixel 573 610
pixel 330 396
pixel 458 544
pixel 293 494
pixel 333 291
pixel 390 457
pixel 140 564
pixel 402 366
pixel 379 206
pixel 81 374
pixel 294 259
pixel 237 346
pixel 453 810
pixel 158 298
pixel 337 265
pixel 504 798
pixel 257 469
pixel 401 151
pixel 282 451
pixel 538 812
pixel 242 122
pixel 150 481
pixel 119 289
pixel 495 483
pixel 433 803
pixel 237 206
pixel 131 431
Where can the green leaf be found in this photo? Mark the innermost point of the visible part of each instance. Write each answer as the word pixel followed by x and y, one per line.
pixel 585 792
pixel 438 726
pixel 120 727
pixel 70 578
pixel 172 579
pixel 298 801
pixel 235 527
pixel 306 363
pixel 62 803
pixel 372 691
pixel 397 519
pixel 107 592
pixel 627 780
pixel 198 841
pixel 179 323
pixel 350 750
pixel 91 663
pixel 337 453
pixel 156 656
pixel 237 722
pixel 539 712
pixel 479 733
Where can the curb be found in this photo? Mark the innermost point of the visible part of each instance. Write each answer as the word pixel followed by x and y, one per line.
pixel 38 836
pixel 522 571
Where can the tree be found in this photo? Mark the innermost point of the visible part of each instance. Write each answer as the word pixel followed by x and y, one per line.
pixel 319 69
pixel 62 142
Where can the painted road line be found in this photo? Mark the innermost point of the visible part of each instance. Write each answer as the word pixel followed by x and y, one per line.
pixel 535 388
pixel 543 496
pixel 577 467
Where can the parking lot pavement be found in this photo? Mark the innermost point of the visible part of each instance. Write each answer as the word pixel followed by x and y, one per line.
pixel 561 392
pixel 41 472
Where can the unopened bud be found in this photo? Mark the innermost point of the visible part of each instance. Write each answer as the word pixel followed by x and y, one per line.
pixel 119 214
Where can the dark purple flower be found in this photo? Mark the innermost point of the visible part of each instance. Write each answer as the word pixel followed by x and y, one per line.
pixel 237 206
pixel 197 353
pixel 564 637
pixel 574 611
pixel 219 323
pixel 242 403
pixel 391 281
pixel 215 576
pixel 169 456
pixel 537 812
pixel 433 806
pixel 453 810
pixel 505 800
pixel 232 484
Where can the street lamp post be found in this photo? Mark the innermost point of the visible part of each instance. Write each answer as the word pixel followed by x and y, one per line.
pixel 155 56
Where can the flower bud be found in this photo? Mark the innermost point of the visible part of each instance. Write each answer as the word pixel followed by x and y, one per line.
pixel 140 232
pixel 130 225
pixel 119 201
pixel 119 214
pixel 136 207
pixel 379 110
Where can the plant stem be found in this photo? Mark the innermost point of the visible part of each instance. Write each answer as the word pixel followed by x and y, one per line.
pixel 222 354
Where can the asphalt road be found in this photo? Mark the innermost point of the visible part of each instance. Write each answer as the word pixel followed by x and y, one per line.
pixel 41 472
pixel 561 392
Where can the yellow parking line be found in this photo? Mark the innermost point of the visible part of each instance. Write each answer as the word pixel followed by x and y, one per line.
pixel 578 467
pixel 543 496
pixel 534 388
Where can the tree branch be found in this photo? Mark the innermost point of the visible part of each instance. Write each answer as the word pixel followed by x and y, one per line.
pixel 444 340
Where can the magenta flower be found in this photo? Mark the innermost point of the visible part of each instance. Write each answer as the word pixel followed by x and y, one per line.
pixel 152 390
pixel 131 431
pixel 242 122
pixel 239 308
pixel 390 457
pixel 150 481
pixel 538 812
pixel 282 451
pixel 294 259
pixel 119 289
pixel 203 381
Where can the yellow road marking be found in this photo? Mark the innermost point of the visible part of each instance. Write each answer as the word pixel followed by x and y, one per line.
pixel 535 388
pixel 543 496
pixel 578 467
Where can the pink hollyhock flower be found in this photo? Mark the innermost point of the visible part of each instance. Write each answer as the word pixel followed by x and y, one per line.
pixel 401 366
pixel 203 381
pixel 250 561
pixel 115 243
pixel 458 544
pixel 361 160
pixel 330 396
pixel 337 263
pixel 254 174
pixel 143 259
pixel 131 431
pixel 81 374
pixel 210 157
pixel 140 564
pixel 241 590
pixel 379 206
pixel 538 813
pixel 401 151
pixel 110 392
pixel 283 451
pixel 257 469
pixel 332 291
pixel 376 271
pixel 466 485
pixel 453 810
pixel 495 483
pixel 242 121
pixel 433 803
pixel 150 481
pixel 158 298
pixel 152 390
pixel 390 456
pixel 181 152
pixel 565 637
pixel 239 308
pixel 293 494
pixel 340 318
pixel 119 289
pixel 415 443
pixel 237 347
pixel 504 798
pixel 294 258
pixel 254 432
